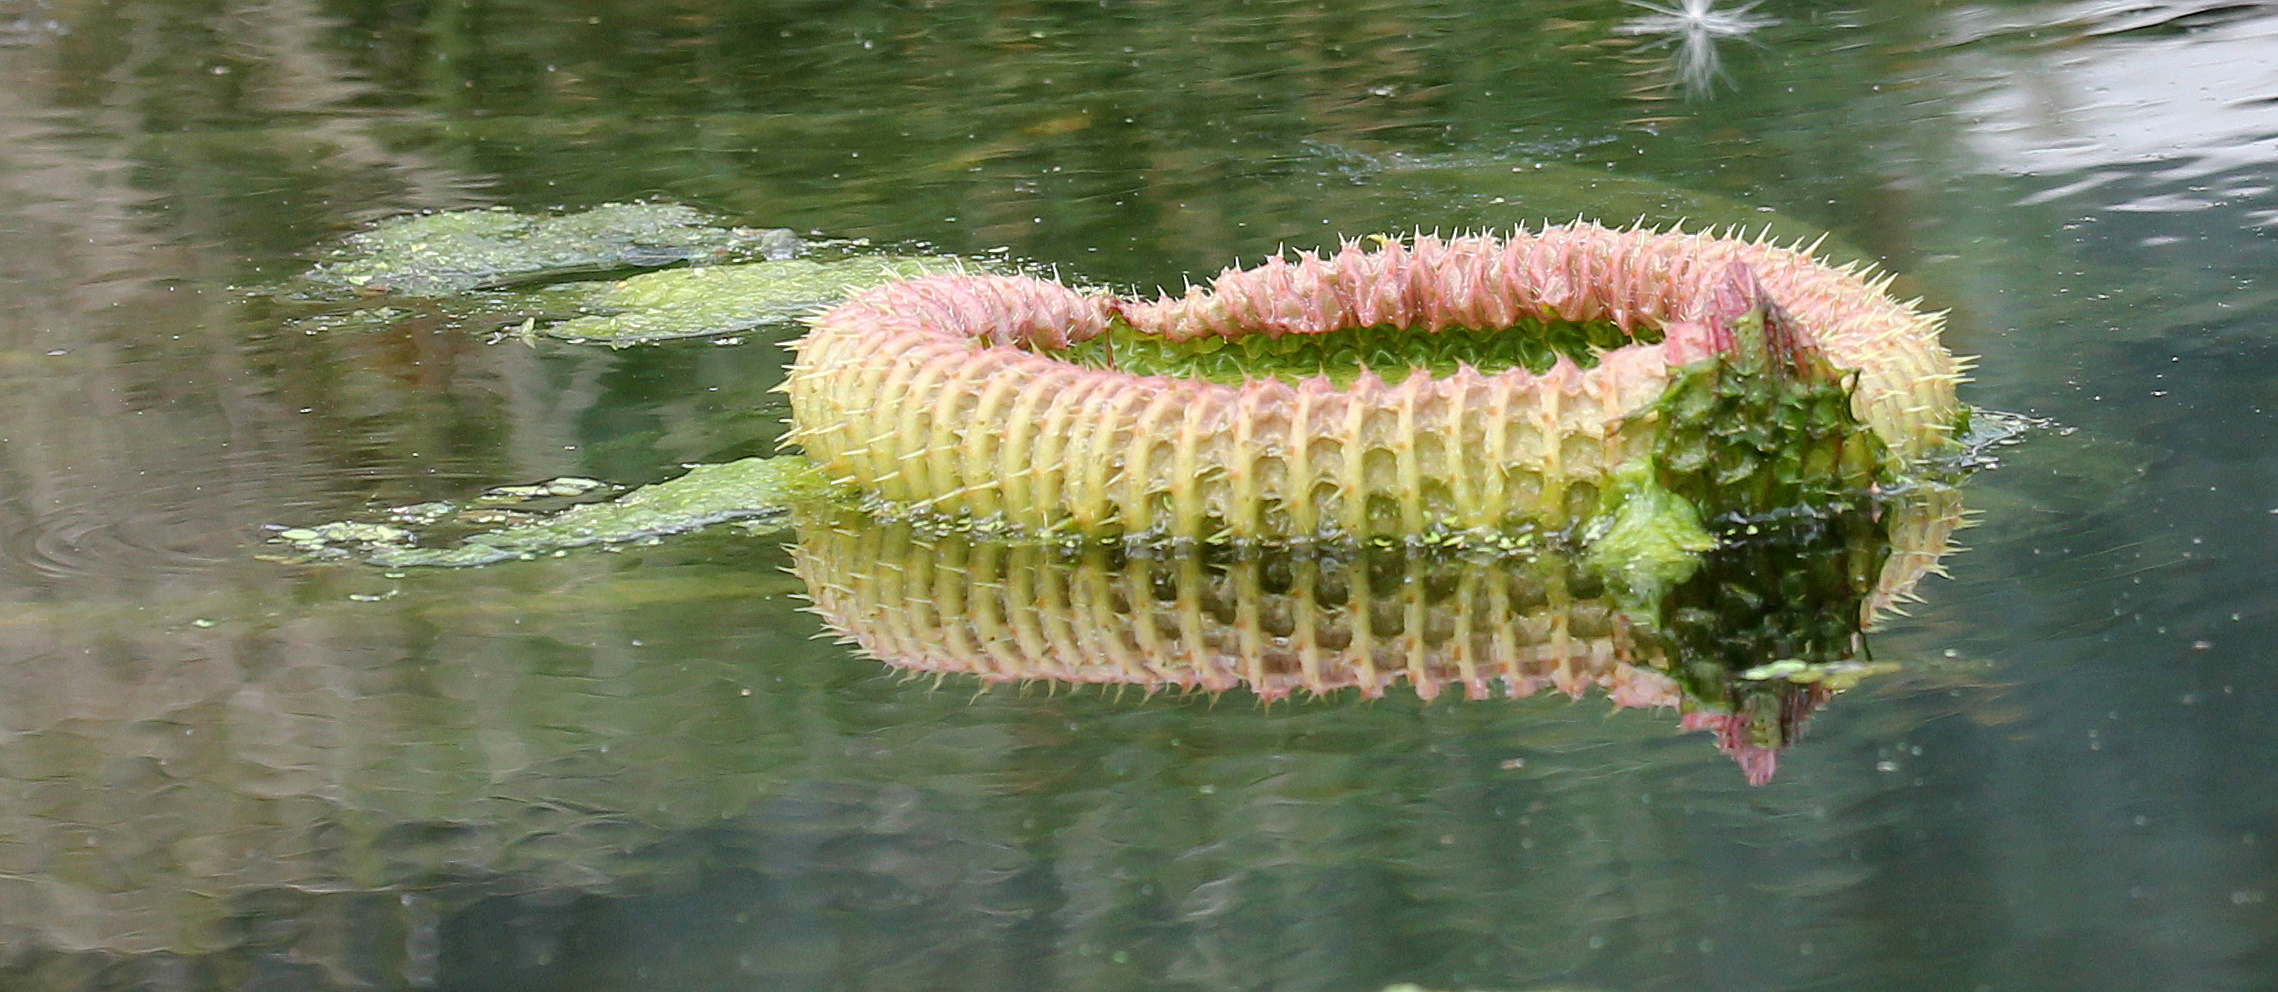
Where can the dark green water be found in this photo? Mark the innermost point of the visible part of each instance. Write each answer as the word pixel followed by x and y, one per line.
pixel 637 771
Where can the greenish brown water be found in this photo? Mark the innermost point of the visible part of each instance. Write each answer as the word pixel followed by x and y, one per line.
pixel 638 768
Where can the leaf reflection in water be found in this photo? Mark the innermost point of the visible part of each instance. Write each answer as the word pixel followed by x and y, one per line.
pixel 1766 629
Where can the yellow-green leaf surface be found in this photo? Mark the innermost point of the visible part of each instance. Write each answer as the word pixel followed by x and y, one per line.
pixel 722 299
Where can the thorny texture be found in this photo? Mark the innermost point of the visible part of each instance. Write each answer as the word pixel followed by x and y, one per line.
pixel 944 394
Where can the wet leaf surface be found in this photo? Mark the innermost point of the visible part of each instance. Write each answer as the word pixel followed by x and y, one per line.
pixel 453 251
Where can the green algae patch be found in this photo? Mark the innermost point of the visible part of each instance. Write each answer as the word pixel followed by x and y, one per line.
pixel 720 299
pixel 1393 353
pixel 440 254
pixel 749 489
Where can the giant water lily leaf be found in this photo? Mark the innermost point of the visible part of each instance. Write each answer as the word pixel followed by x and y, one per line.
pixel 749 489
pixel 720 299
pixel 760 491
pixel 451 252
pixel 474 270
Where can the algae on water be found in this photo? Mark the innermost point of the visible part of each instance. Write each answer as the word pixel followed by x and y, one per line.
pixel 451 252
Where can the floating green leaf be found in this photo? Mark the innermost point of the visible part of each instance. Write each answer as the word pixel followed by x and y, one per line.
pixel 749 489
pixel 721 299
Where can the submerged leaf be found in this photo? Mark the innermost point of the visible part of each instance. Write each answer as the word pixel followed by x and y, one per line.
pixel 443 253
pixel 722 299
pixel 708 494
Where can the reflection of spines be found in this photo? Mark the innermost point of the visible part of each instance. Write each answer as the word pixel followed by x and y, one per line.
pixel 1754 731
pixel 1277 623
pixel 1919 527
pixel 1280 622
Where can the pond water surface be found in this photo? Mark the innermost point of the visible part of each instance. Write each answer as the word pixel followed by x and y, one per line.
pixel 640 769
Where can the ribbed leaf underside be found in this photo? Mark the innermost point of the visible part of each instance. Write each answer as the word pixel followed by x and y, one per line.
pixel 1024 405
